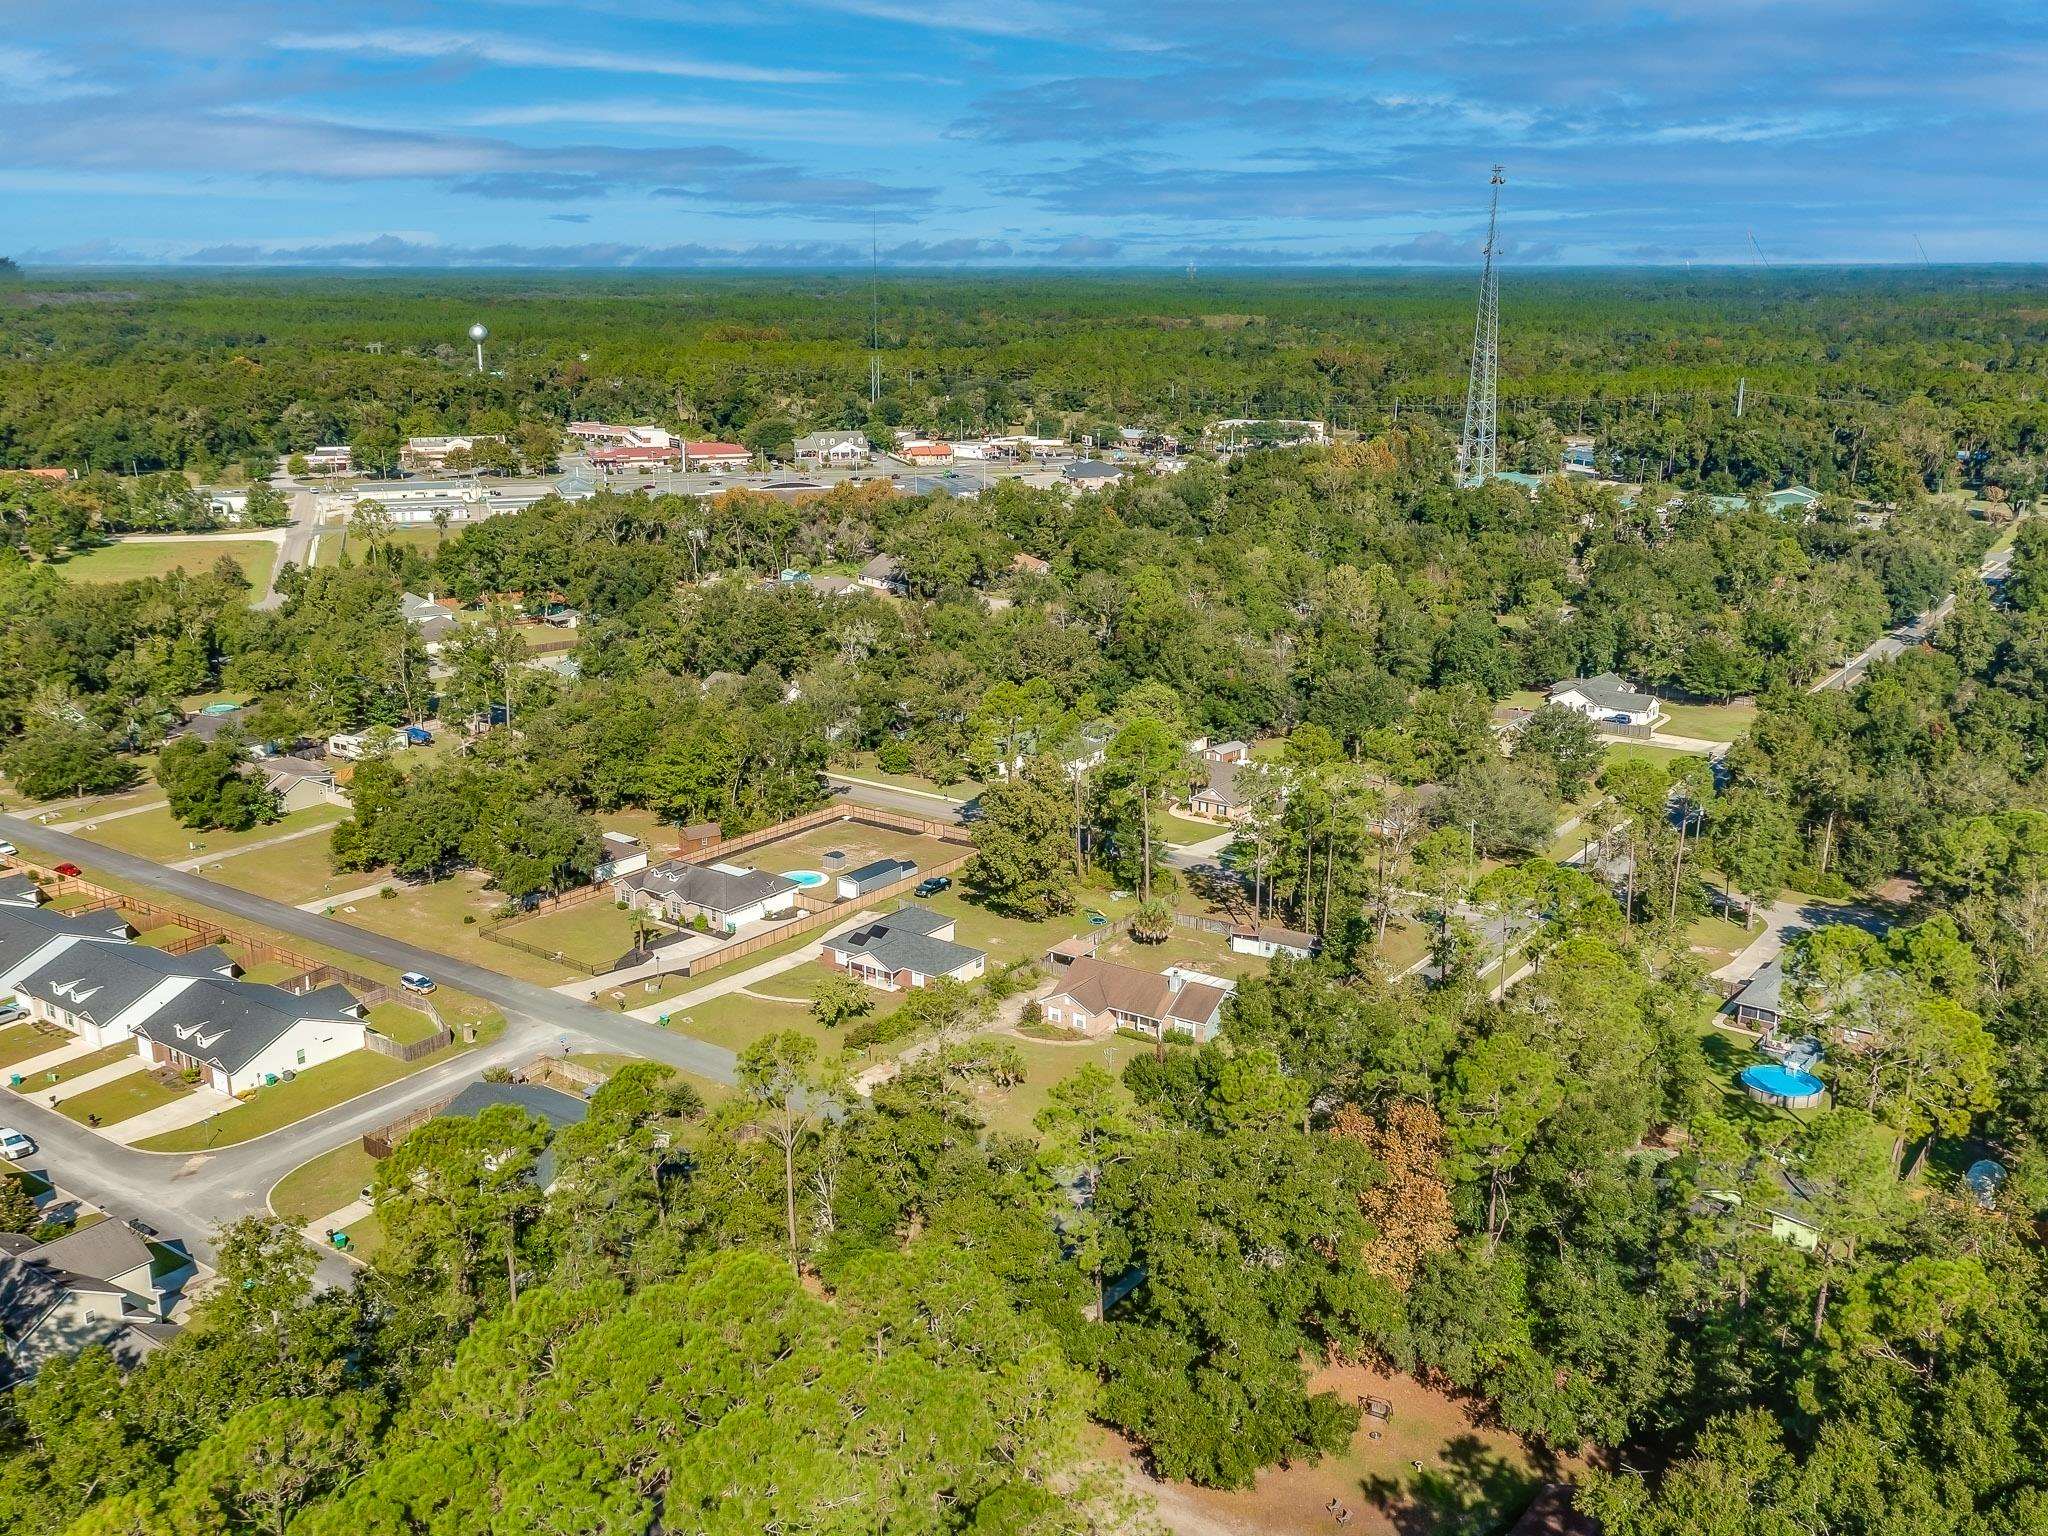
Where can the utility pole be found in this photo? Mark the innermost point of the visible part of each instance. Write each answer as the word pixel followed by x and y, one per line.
pixel 1478 456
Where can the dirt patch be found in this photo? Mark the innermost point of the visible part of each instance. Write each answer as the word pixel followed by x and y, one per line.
pixel 1436 1469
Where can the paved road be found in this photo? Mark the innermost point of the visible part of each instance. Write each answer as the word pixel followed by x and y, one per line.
pixel 1913 632
pixel 519 999
pixel 297 547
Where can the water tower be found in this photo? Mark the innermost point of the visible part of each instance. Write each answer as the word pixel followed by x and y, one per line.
pixel 477 333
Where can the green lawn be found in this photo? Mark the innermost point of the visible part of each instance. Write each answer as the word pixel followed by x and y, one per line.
pixel 1644 752
pixel 281 1104
pixel 122 1099
pixel 432 917
pixel 163 935
pixel 1008 939
pixel 1717 939
pixel 1208 952
pixel 593 932
pixel 272 972
pixel 1187 829
pixel 365 1238
pixel 736 1021
pixel 1709 722
pixel 425 540
pixel 18 1042
pixel 1045 1063
pixel 134 559
pixel 156 835
pixel 291 872
pixel 862 765
pixel 78 1066
pixel 327 1183
pixel 396 1022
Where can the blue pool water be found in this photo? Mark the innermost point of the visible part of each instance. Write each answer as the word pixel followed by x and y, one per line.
pixel 807 878
pixel 1785 1082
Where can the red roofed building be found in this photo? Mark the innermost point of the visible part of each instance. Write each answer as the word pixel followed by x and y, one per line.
pixel 633 456
pixel 51 472
pixel 715 456
pixel 928 453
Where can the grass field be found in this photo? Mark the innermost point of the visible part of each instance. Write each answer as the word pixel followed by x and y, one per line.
pixel 327 1183
pixel 1644 752
pixel 18 1042
pixel 595 932
pixel 1186 829
pixel 1709 722
pixel 291 872
pixel 162 936
pixel 1008 939
pixel 431 916
pixel 396 1022
pixel 425 540
pixel 1047 1062
pixel 281 1104
pixel 122 1099
pixel 134 559
pixel 862 765
pixel 157 835
pixel 78 1066
pixel 861 843
pixel 736 1020
pixel 1717 940
pixel 273 972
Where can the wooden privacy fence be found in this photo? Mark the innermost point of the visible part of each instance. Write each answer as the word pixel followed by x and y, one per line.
pixel 741 948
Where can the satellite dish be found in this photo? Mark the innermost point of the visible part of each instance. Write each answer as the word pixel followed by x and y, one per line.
pixel 477 332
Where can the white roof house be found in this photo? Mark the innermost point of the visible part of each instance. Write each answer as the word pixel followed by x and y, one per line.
pixel 1609 699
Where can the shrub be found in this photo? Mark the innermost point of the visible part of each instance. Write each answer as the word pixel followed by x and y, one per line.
pixel 893 757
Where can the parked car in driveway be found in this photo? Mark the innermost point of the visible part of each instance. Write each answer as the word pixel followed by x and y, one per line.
pixel 14 1146
pixel 11 1013
pixel 8 849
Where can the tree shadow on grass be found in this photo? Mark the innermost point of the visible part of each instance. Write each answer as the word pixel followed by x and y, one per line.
pixel 1472 1490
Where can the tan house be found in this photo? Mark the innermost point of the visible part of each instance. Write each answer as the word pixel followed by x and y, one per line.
pixel 1094 997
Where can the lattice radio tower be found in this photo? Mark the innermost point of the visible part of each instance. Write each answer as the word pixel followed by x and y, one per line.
pixel 1477 455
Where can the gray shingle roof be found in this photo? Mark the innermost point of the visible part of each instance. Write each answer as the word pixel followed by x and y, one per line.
pixel 903 941
pixel 1610 692
pixel 102 1251
pixel 229 1023
pixel 24 930
pixel 706 886
pixel 102 981
pixel 1766 989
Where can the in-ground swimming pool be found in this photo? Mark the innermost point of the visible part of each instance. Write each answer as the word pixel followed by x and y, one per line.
pixel 806 878
pixel 1774 1084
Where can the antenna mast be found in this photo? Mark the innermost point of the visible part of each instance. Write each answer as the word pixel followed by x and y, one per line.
pixel 874 314
pixel 1477 455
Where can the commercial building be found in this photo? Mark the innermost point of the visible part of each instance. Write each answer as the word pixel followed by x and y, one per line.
pixel 432 453
pixel 715 456
pixel 832 450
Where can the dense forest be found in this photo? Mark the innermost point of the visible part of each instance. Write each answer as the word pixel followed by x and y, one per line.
pixel 809 1309
pixel 1862 382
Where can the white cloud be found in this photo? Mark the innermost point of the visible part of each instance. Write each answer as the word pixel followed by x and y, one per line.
pixel 30 74
pixel 484 48
pixel 814 124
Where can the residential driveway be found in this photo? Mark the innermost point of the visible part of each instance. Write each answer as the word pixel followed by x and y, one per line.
pixel 1785 921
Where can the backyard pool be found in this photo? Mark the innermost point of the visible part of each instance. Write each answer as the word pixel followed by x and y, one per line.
pixel 1773 1084
pixel 806 879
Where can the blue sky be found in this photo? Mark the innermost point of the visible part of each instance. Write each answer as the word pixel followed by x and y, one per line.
pixel 657 133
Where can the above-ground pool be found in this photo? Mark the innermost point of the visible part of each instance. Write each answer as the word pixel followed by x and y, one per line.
pixel 1788 1086
pixel 806 878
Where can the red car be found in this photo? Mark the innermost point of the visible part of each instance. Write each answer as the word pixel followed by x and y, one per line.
pixel 69 869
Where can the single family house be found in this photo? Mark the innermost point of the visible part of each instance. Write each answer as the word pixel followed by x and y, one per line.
pixel 1608 699
pixel 1093 997
pixel 910 948
pixel 726 896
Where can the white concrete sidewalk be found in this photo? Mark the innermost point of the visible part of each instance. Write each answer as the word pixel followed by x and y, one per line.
pixel 316 1230
pixel 70 1088
pixel 343 898
pixel 740 980
pixel 193 1107
pixel 70 1051
pixel 93 821
pixel 217 859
